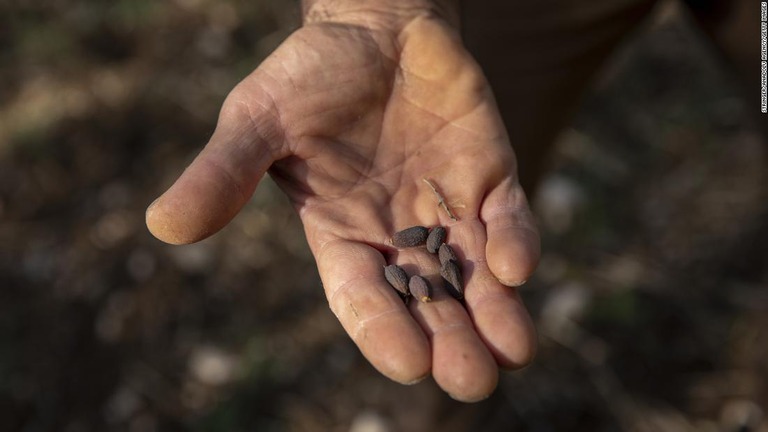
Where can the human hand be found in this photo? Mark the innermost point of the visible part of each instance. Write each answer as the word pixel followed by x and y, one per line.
pixel 350 114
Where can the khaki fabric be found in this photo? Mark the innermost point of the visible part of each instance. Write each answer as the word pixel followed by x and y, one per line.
pixel 540 55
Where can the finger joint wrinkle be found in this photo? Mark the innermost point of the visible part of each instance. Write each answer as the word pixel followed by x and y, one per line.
pixel 341 288
pixel 364 323
pixel 448 328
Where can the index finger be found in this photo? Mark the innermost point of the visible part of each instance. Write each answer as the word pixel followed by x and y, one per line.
pixel 371 312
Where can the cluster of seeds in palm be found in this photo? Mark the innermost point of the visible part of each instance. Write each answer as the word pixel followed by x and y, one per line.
pixel 417 286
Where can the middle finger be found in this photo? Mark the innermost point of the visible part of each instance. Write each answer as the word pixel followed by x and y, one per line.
pixel 461 363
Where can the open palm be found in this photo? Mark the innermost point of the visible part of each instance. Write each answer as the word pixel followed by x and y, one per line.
pixel 350 121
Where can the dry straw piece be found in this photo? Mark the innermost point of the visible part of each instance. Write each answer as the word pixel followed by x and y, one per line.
pixel 440 199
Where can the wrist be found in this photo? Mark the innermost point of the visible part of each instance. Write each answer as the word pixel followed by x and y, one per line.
pixel 390 14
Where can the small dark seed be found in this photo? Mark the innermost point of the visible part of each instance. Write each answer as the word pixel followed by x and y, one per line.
pixel 436 238
pixel 420 289
pixel 446 254
pixel 454 283
pixel 397 277
pixel 410 237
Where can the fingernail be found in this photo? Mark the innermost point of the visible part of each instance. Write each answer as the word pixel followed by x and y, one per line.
pixel 513 284
pixel 417 380
pixel 473 400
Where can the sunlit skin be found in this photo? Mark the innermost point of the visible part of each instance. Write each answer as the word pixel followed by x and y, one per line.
pixel 350 117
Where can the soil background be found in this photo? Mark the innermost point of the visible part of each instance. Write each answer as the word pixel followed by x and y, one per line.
pixel 650 299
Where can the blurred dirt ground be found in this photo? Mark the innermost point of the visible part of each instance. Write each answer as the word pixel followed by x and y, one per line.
pixel 651 297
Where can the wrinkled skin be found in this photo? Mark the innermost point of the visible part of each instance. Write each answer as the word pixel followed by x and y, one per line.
pixel 350 118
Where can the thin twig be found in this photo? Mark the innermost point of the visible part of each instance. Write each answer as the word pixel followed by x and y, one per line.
pixel 440 199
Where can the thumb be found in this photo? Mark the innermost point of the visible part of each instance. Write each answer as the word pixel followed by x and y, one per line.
pixel 222 178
